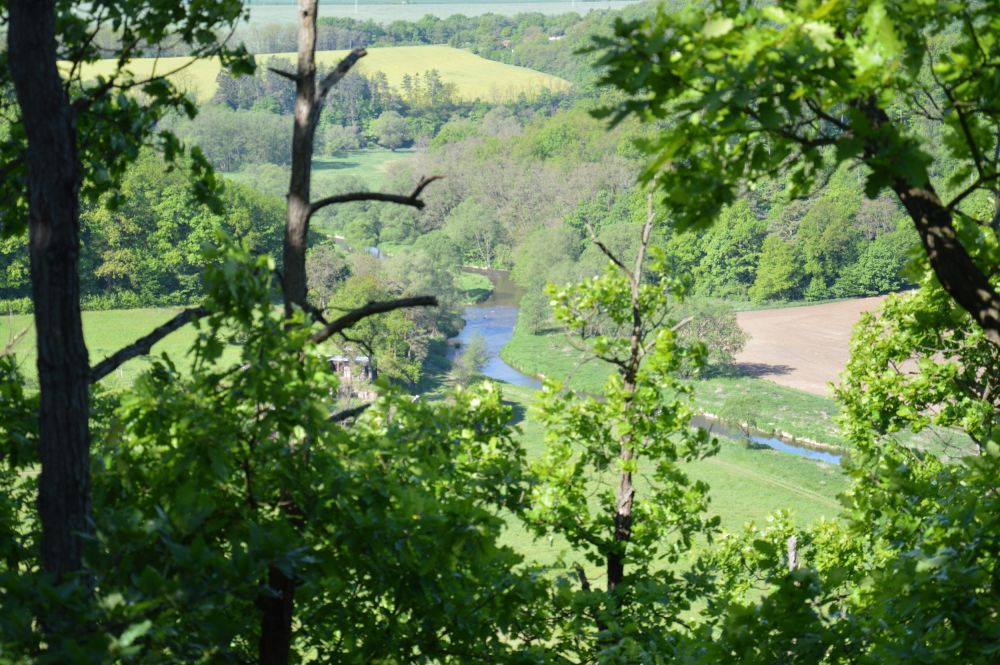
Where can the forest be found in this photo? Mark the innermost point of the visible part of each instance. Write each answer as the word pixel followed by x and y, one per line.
pixel 201 480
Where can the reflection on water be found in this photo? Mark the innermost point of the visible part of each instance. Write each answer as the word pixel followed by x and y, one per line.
pixel 718 429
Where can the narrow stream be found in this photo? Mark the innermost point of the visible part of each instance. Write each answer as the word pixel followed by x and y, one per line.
pixel 494 319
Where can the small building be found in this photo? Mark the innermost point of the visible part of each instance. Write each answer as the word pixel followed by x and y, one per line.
pixel 357 374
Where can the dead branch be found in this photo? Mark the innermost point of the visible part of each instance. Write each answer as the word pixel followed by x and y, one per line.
pixel 143 345
pixel 608 253
pixel 339 72
pixel 379 307
pixel 347 414
pixel 412 200
pixel 282 73
pixel 9 348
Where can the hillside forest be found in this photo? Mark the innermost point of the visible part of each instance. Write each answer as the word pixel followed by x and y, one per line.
pixel 257 215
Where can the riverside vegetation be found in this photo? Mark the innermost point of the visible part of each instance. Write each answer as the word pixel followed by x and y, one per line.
pixel 224 508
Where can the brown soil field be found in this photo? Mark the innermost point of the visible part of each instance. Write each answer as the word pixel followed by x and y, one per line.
pixel 801 347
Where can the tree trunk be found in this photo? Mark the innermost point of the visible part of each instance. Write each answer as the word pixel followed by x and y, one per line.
pixel 951 262
pixel 53 222
pixel 623 524
pixel 276 620
pixel 303 133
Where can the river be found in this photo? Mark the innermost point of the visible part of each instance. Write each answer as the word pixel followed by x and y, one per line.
pixel 494 319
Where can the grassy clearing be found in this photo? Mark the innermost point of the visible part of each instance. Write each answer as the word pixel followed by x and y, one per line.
pixel 105 332
pixel 369 166
pixel 474 77
pixel 329 173
pixel 779 409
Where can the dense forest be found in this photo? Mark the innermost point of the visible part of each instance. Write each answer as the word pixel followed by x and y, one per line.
pixel 231 508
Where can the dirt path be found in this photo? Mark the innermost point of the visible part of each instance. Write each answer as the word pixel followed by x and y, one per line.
pixel 801 347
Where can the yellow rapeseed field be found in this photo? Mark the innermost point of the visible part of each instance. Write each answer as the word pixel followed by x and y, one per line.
pixel 475 77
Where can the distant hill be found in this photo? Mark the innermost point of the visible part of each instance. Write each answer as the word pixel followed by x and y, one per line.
pixel 474 77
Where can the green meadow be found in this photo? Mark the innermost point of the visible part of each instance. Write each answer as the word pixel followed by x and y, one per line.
pixel 747 484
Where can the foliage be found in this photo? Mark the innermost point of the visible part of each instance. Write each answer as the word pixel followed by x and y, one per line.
pixel 748 91
pixel 252 471
pixel 391 130
pixel 114 127
pixel 594 447
pixel 471 361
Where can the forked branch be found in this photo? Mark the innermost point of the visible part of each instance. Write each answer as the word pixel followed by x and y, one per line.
pixel 339 72
pixel 412 200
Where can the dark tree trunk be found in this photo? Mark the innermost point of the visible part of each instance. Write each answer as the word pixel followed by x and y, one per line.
pixel 53 203
pixel 276 619
pixel 951 262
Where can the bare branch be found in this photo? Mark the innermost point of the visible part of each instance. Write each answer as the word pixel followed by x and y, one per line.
pixel 607 252
pixel 283 74
pixel 347 414
pixel 9 348
pixel 142 346
pixel 411 200
pixel 339 72
pixel 372 308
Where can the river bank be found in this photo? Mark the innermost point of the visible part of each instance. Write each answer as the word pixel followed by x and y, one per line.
pixel 496 320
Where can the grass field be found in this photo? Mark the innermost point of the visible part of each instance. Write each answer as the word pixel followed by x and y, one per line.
pixel 384 12
pixel 475 77
pixel 780 409
pixel 106 332
pixel 368 166
pixel 746 484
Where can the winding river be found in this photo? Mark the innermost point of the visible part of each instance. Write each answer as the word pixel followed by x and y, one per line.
pixel 494 319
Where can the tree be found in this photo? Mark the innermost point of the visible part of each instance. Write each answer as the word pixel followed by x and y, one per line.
pixel 66 146
pixel 778 273
pixel 732 250
pixel 471 361
pixel 595 447
pixel 338 140
pixel 478 232
pixel 712 326
pixel 391 130
pixel 747 91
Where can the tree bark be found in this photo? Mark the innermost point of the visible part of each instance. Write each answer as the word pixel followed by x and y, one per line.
pixel 303 133
pixel 630 375
pixel 54 247
pixel 276 620
pixel 956 271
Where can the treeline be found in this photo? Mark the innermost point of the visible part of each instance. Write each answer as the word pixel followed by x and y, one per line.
pixel 548 43
pixel 248 124
pixel 147 251
pixel 526 195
